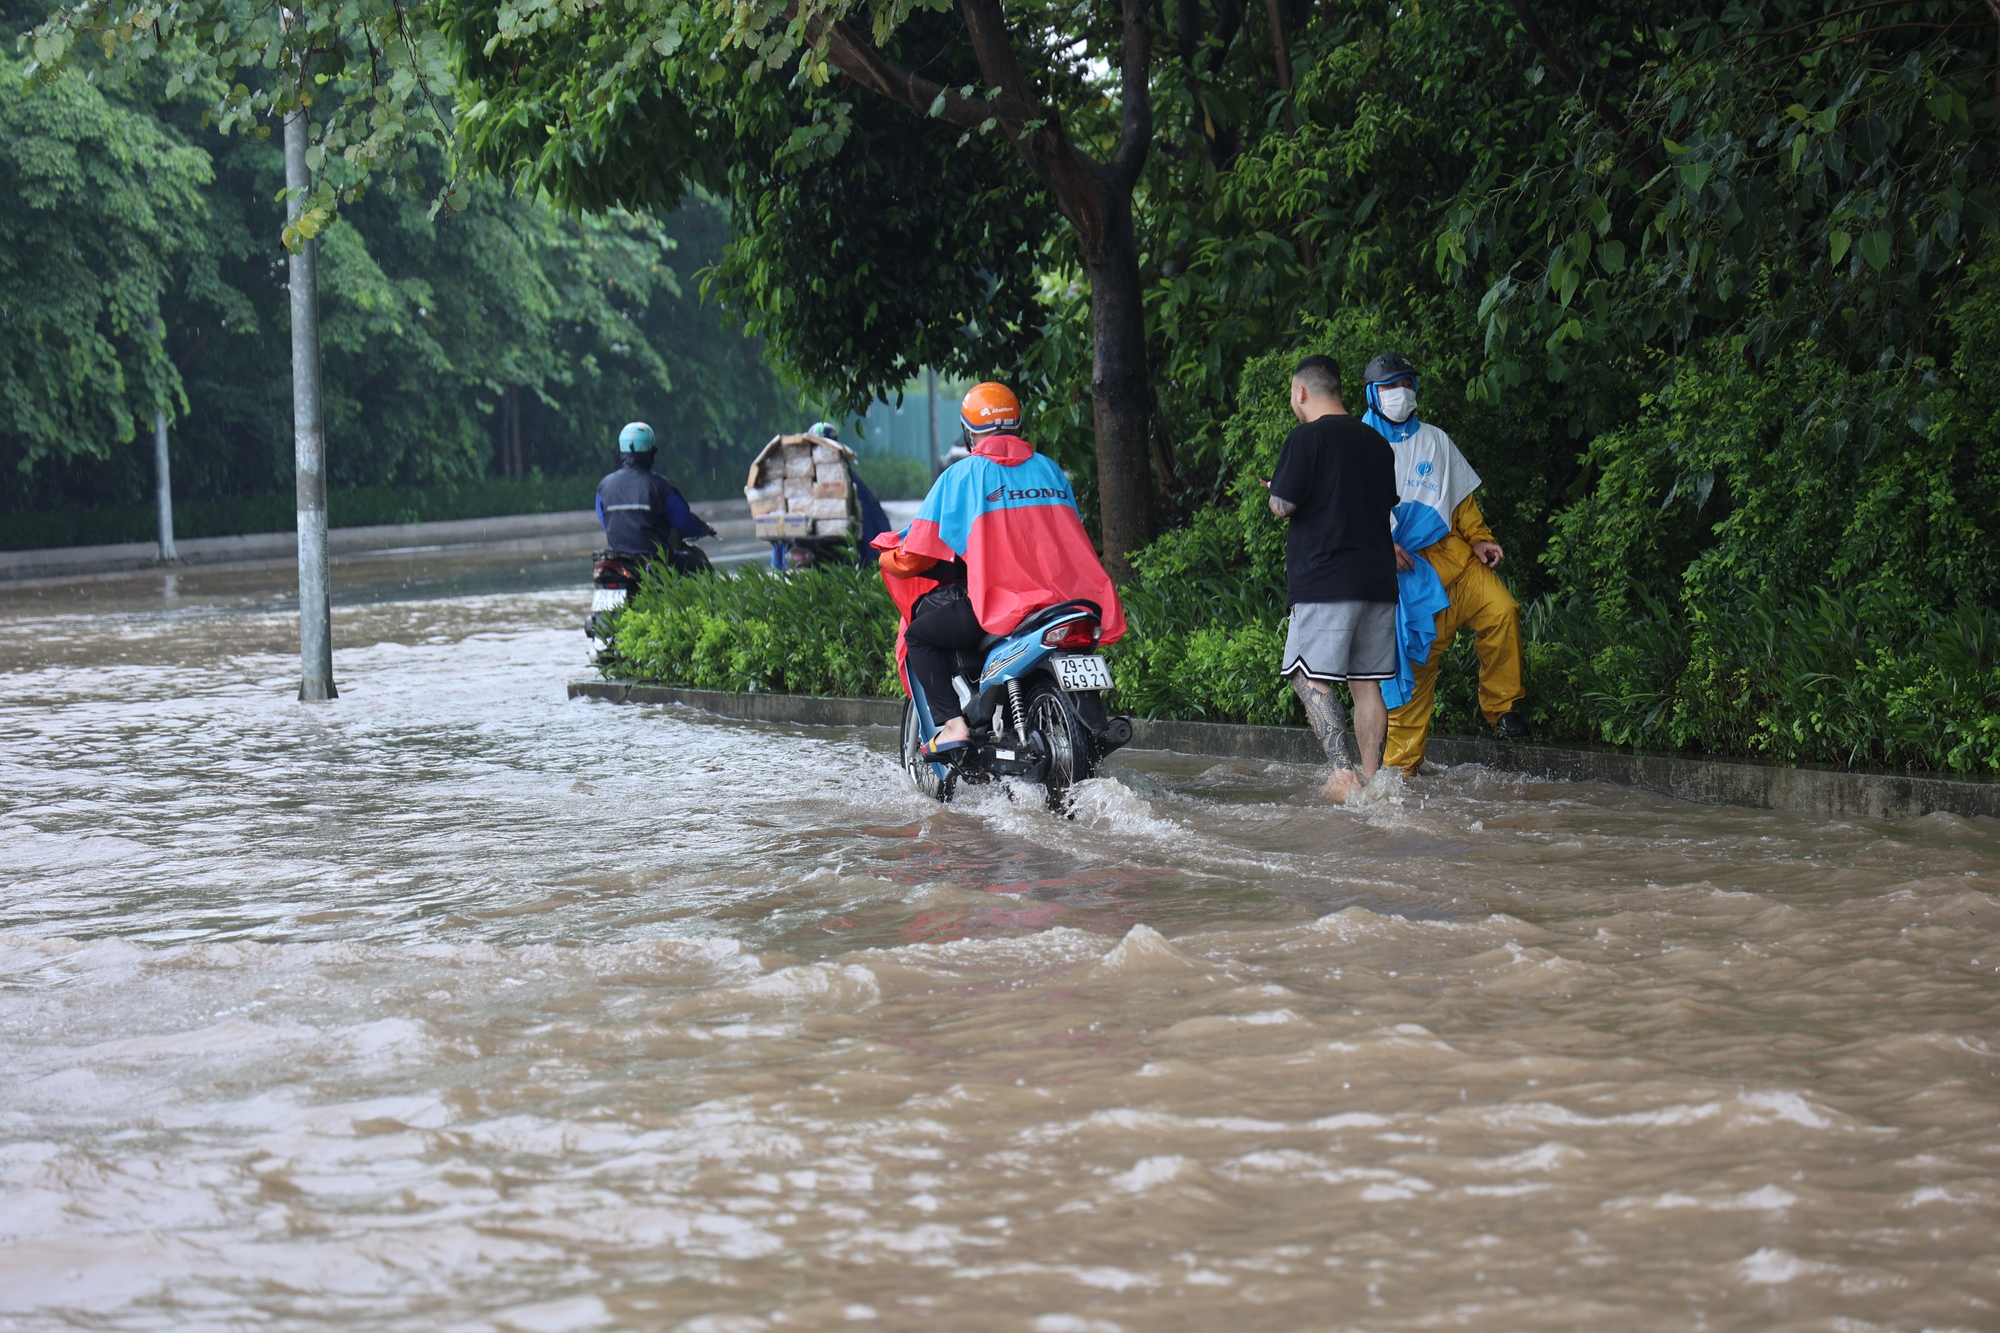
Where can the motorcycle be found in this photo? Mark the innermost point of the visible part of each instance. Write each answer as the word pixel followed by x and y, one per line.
pixel 1034 699
pixel 615 576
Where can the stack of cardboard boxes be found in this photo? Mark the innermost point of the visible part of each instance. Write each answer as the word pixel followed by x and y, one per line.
pixel 799 487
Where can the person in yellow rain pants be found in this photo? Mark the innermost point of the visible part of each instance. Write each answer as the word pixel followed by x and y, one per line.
pixel 1431 471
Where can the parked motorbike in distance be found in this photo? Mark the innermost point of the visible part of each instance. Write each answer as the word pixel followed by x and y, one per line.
pixel 1034 700
pixel 614 577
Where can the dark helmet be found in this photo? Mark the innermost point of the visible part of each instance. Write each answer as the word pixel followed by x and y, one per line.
pixel 1388 366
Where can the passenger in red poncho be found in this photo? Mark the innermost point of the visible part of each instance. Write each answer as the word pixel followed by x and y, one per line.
pixel 997 539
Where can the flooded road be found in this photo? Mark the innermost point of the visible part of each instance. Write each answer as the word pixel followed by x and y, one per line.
pixel 458 1005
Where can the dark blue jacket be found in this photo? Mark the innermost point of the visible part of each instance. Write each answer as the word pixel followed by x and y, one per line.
pixel 874 521
pixel 641 512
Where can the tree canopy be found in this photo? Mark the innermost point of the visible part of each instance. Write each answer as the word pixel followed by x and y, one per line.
pixel 140 268
pixel 106 217
pixel 1704 292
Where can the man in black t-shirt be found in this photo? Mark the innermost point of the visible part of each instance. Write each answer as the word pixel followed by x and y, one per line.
pixel 1336 483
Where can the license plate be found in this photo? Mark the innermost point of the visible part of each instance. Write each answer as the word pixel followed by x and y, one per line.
pixel 607 599
pixel 1082 673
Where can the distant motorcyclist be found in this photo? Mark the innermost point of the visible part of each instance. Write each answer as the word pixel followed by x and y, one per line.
pixel 997 539
pixel 643 513
pixel 803 553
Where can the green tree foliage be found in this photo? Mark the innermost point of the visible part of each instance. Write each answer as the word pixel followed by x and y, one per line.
pixel 141 268
pixel 104 217
pixel 910 246
pixel 1752 462
pixel 1068 91
pixel 369 73
pixel 1705 295
pixel 867 244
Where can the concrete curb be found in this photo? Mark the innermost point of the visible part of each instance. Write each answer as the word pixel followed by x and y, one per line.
pixel 812 710
pixel 1804 790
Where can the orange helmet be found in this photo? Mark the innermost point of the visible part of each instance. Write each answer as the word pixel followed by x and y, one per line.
pixel 990 407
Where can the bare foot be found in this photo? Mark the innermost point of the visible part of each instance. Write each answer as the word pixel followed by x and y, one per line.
pixel 954 730
pixel 1344 782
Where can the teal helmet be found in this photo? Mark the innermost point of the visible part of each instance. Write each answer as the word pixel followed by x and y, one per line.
pixel 636 438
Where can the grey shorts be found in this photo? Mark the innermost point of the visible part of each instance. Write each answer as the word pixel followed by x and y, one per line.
pixel 1342 640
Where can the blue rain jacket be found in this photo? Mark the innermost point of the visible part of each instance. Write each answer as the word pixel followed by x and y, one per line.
pixel 1420 596
pixel 641 511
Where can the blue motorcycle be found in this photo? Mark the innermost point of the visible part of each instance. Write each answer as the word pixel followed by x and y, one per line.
pixel 1034 700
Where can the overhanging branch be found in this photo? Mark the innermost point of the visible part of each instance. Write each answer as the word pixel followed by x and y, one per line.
pixel 847 52
pixel 1568 73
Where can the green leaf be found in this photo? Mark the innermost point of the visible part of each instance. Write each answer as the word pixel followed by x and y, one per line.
pixel 1838 241
pixel 1367 205
pixel 1694 175
pixel 1611 254
pixel 1875 249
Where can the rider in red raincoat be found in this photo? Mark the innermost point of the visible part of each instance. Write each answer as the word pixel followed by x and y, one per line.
pixel 997 539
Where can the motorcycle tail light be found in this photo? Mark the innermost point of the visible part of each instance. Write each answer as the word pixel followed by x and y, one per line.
pixel 1079 633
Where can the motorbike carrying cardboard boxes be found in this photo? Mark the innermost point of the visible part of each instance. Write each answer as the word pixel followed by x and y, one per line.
pixel 801 486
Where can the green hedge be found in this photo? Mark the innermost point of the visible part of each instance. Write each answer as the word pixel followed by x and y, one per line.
pixel 1864 675
pixel 1834 683
pixel 826 630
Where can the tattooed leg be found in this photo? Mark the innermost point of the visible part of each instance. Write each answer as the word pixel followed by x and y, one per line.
pixel 1328 718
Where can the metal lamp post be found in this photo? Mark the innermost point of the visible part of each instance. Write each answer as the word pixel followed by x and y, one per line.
pixel 930 411
pixel 308 434
pixel 163 486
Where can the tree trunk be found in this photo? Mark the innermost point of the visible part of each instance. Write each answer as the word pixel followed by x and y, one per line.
pixel 1994 5
pixel 510 432
pixel 1096 199
pixel 1120 393
pixel 1281 58
pixel 930 411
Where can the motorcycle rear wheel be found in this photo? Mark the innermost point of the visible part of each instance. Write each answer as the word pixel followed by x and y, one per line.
pixel 1071 757
pixel 936 781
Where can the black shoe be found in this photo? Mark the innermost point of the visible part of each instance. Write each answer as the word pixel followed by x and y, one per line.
pixel 1513 724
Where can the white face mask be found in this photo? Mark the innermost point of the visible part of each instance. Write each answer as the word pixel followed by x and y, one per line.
pixel 1397 403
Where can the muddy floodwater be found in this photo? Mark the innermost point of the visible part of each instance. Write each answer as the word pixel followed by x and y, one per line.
pixel 457 1005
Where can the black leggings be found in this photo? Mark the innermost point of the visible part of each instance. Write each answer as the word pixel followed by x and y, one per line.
pixel 934 639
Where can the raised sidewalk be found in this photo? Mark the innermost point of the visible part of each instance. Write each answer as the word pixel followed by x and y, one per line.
pixel 572 532
pixel 1803 789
